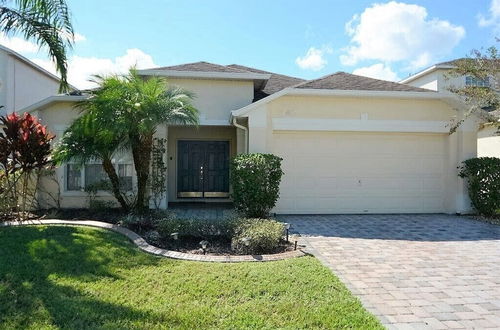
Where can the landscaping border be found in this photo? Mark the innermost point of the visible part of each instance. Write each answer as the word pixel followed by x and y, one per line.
pixel 146 247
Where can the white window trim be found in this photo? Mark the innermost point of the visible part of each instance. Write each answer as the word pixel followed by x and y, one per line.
pixel 100 193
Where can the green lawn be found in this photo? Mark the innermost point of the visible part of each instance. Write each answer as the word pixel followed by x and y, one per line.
pixel 75 277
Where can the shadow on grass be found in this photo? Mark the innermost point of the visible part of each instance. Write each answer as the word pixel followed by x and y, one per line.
pixel 33 279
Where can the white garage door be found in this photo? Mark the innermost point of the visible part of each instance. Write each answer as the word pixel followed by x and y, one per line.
pixel 331 172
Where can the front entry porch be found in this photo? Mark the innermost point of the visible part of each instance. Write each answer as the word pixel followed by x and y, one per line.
pixel 198 163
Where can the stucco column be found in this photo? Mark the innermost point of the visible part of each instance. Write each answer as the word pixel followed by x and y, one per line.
pixel 462 146
pixel 257 131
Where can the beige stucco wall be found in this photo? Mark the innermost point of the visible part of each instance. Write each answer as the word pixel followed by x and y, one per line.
pixel 209 133
pixel 457 147
pixel 22 85
pixel 352 108
pixel 488 142
pixel 215 99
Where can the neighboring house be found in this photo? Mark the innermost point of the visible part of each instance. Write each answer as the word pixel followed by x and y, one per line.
pixel 349 144
pixel 22 82
pixel 438 78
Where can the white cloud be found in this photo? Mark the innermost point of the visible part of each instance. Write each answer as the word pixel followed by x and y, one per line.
pixel 394 31
pixel 24 46
pixel 314 58
pixel 494 16
pixel 377 71
pixel 80 69
pixel 18 44
pixel 79 37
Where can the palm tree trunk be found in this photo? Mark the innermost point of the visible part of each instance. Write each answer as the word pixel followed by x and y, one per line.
pixel 141 152
pixel 115 182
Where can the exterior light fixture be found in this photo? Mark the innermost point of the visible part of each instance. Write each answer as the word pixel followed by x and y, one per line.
pixel 295 239
pixel 287 228
pixel 175 236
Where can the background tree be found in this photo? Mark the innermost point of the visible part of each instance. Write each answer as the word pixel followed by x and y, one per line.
pixel 47 22
pixel 132 108
pixel 483 101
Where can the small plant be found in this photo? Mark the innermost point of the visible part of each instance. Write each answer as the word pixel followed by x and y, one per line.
pixel 255 179
pixel 483 176
pixel 257 236
pixel 200 228
pixel 92 190
pixel 138 222
pixel 152 236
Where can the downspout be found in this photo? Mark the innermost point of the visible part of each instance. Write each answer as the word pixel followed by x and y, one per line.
pixel 235 123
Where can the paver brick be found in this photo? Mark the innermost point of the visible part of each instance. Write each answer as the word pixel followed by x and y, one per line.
pixel 413 271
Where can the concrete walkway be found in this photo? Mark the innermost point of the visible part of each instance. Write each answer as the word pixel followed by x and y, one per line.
pixel 413 271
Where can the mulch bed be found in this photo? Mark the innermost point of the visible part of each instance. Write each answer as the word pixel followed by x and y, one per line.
pixel 218 246
pixel 105 215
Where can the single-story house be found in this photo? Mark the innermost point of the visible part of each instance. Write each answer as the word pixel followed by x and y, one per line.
pixel 439 78
pixel 350 144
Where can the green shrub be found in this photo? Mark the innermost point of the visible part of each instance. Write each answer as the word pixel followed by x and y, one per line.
pixel 200 228
pixel 483 176
pixel 257 236
pixel 255 179
pixel 145 221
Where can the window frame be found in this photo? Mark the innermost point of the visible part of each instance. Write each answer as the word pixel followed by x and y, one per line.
pixel 471 81
pixel 81 191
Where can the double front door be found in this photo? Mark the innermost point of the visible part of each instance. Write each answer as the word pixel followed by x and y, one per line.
pixel 202 169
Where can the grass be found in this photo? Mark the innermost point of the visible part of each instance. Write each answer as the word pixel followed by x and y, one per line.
pixel 74 278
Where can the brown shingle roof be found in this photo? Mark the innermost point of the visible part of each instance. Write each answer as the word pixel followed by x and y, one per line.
pixel 275 83
pixel 348 81
pixel 201 67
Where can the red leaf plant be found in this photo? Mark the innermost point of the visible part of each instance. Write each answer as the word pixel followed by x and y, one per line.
pixel 24 149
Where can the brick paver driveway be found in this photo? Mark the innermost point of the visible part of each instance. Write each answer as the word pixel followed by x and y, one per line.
pixel 413 271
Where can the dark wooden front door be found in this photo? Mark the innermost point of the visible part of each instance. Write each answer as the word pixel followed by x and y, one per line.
pixel 203 169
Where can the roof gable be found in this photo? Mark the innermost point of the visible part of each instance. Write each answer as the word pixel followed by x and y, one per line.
pixel 200 67
pixel 348 81
pixel 275 83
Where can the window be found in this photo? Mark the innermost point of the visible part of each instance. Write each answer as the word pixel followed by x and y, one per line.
pixel 73 177
pixel 94 174
pixel 79 177
pixel 125 175
pixel 472 81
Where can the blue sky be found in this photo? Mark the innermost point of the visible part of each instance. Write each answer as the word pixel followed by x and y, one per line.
pixel 308 39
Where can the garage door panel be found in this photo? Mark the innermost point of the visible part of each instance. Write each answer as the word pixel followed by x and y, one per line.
pixel 361 173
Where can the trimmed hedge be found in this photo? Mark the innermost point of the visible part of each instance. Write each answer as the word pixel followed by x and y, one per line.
pixel 255 179
pixel 257 236
pixel 483 176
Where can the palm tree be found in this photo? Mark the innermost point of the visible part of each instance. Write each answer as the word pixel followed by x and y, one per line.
pixel 47 22
pixel 152 104
pixel 129 109
pixel 86 140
